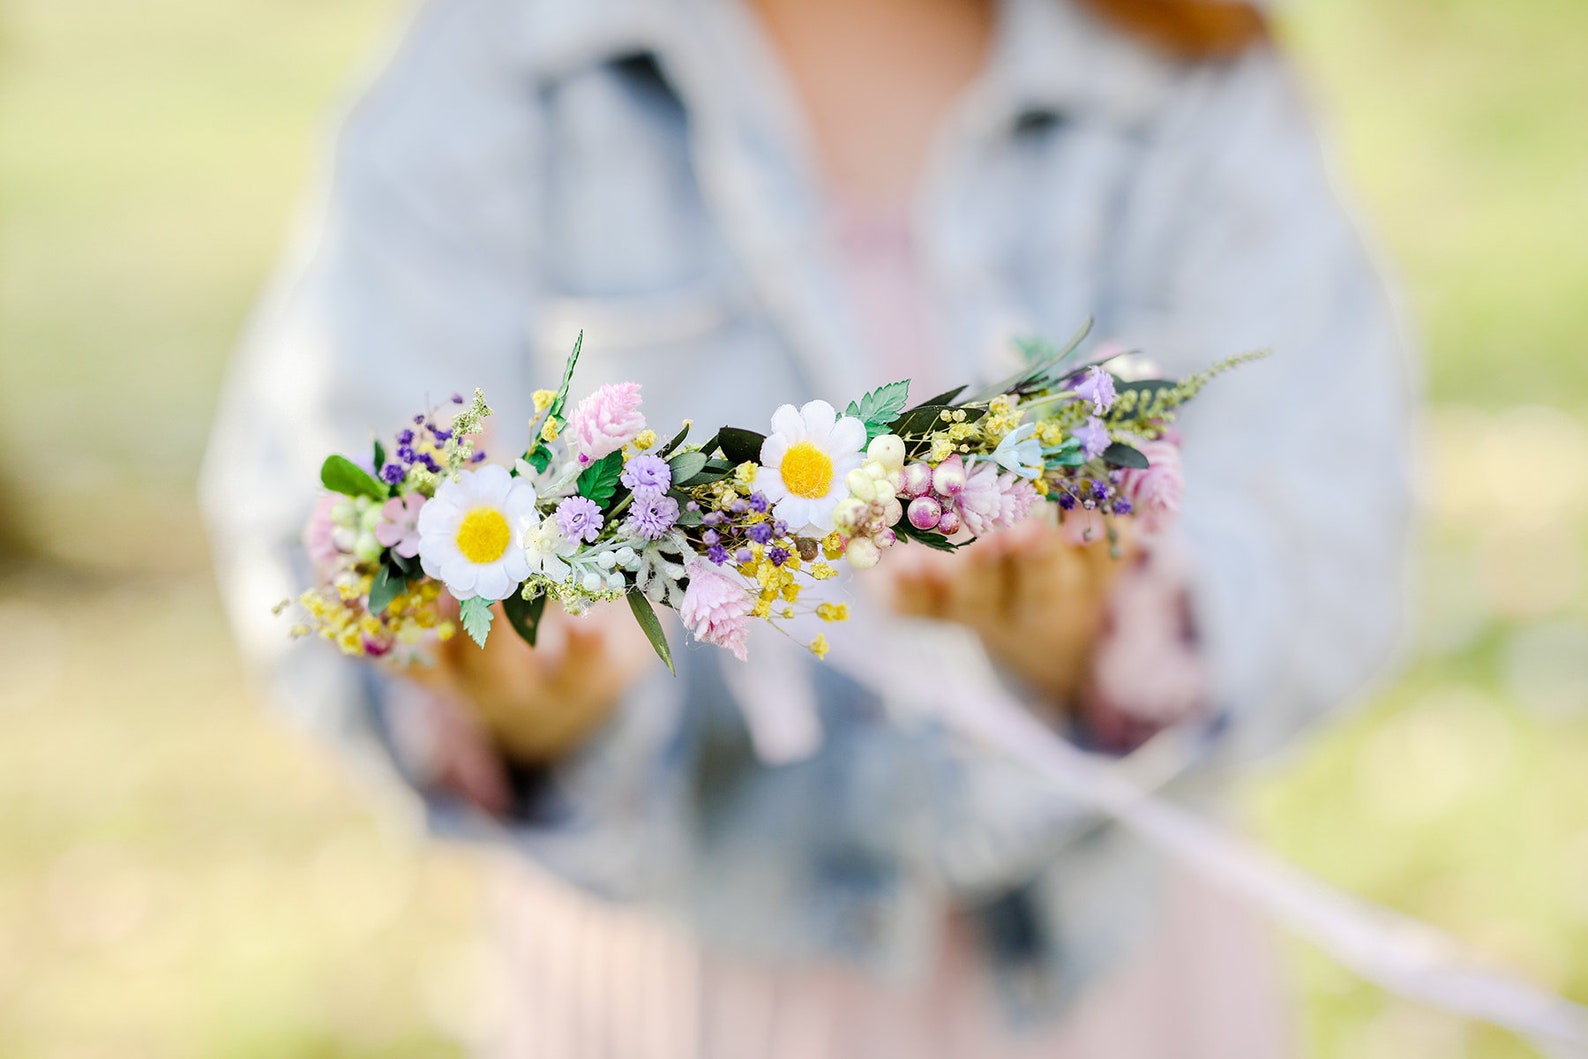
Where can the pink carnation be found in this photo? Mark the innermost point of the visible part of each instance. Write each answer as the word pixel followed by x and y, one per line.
pixel 716 608
pixel 606 421
pixel 319 534
pixel 993 501
pixel 1154 493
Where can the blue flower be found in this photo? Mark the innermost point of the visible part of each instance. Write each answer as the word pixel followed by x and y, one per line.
pixel 1020 452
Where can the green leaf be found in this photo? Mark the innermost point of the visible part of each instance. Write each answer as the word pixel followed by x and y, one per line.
pixel 935 541
pixel 600 480
pixel 928 417
pixel 387 586
pixel 561 399
pixel 380 456
pixel 685 466
pixel 739 445
pixel 1046 365
pixel 946 397
pixel 341 475
pixel 678 439
pixel 524 615
pixel 1120 454
pixel 645 614
pixel 880 407
pixel 477 615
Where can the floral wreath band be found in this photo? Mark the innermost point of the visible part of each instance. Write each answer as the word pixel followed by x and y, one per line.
pixel 731 529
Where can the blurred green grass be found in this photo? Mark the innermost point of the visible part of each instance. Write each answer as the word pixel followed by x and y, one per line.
pixel 179 876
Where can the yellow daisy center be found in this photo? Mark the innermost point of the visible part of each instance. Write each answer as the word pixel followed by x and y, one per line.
pixel 483 535
pixel 807 471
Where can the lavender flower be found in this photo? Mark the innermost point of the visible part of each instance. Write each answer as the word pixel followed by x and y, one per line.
pixel 1093 436
pixel 1097 387
pixel 406 437
pixel 651 515
pixel 717 554
pixel 760 533
pixel 758 503
pixel 392 474
pixel 777 556
pixel 579 518
pixel 647 472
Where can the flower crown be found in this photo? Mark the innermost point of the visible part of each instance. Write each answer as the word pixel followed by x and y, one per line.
pixel 730 530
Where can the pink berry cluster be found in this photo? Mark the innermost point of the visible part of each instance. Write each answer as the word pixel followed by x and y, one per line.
pixel 933 495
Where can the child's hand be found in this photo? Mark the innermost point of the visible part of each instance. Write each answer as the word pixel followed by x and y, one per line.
pixel 1034 597
pixel 536 704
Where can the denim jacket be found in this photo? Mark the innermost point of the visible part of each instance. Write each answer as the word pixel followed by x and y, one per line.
pixel 522 169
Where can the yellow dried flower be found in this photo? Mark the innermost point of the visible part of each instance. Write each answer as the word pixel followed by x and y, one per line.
pixel 819 647
pixel 833 611
pixel 645 439
pixel 543 399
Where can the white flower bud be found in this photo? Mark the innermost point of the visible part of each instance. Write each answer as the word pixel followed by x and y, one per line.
pixel 892 511
pixel 862 554
pixel 861 484
pixel 888 450
pixel 849 514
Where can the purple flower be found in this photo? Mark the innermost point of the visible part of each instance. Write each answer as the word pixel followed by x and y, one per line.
pixel 743 555
pixel 442 436
pixel 430 463
pixel 478 457
pixel 1122 506
pixel 647 472
pixel 1097 387
pixel 758 503
pixel 760 533
pixel 392 473
pixel 717 554
pixel 1067 501
pixel 779 528
pixel 405 452
pixel 710 536
pixel 457 398
pixel 777 556
pixel 579 518
pixel 651 515
pixel 406 437
pixel 1093 436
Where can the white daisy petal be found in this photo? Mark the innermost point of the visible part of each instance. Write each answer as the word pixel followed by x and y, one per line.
pixel 493 479
pixel 818 416
pixel 493 582
pixel 788 422
pixel 848 435
pixel 773 449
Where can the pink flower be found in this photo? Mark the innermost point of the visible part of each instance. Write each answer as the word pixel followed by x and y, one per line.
pixel 1154 493
pixel 398 528
pixel 993 501
pixel 716 608
pixel 319 534
pixel 606 421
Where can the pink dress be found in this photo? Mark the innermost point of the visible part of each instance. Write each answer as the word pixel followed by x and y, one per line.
pixel 590 980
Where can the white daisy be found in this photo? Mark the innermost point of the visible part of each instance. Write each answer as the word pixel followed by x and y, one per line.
pixel 804 461
pixel 471 536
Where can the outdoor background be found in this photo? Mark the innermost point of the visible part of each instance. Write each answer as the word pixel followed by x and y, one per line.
pixel 181 876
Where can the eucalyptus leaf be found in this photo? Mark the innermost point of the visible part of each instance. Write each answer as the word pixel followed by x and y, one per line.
pixel 386 586
pixel 1120 454
pixel 677 440
pixel 524 615
pixel 740 445
pixel 645 615
pixel 685 466
pixel 477 615
pixel 341 475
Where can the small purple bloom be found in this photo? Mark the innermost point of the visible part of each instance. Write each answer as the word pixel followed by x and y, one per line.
pixel 478 457
pixel 743 555
pixel 1099 490
pixel 651 515
pixel 647 472
pixel 758 503
pixel 1097 387
pixel 1122 506
pixel 457 398
pixel 760 533
pixel 1093 436
pixel 738 507
pixel 430 463
pixel 405 452
pixel 392 473
pixel 780 528
pixel 441 435
pixel 579 518
pixel 1067 501
pixel 713 518
pixel 419 419
pixel 777 556
pixel 693 505
pixel 406 437
pixel 710 536
pixel 717 554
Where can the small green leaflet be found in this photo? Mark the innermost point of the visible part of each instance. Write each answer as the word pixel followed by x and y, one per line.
pixel 524 615
pixel 380 456
pixel 739 445
pixel 645 614
pixel 341 475
pixel 600 480
pixel 1120 454
pixel 935 541
pixel 477 616
pixel 678 439
pixel 879 408
pixel 387 586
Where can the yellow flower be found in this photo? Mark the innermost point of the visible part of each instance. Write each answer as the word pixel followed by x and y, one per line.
pixel 832 546
pixel 819 647
pixel 833 612
pixel 645 439
pixel 550 431
pixel 823 571
pixel 543 399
